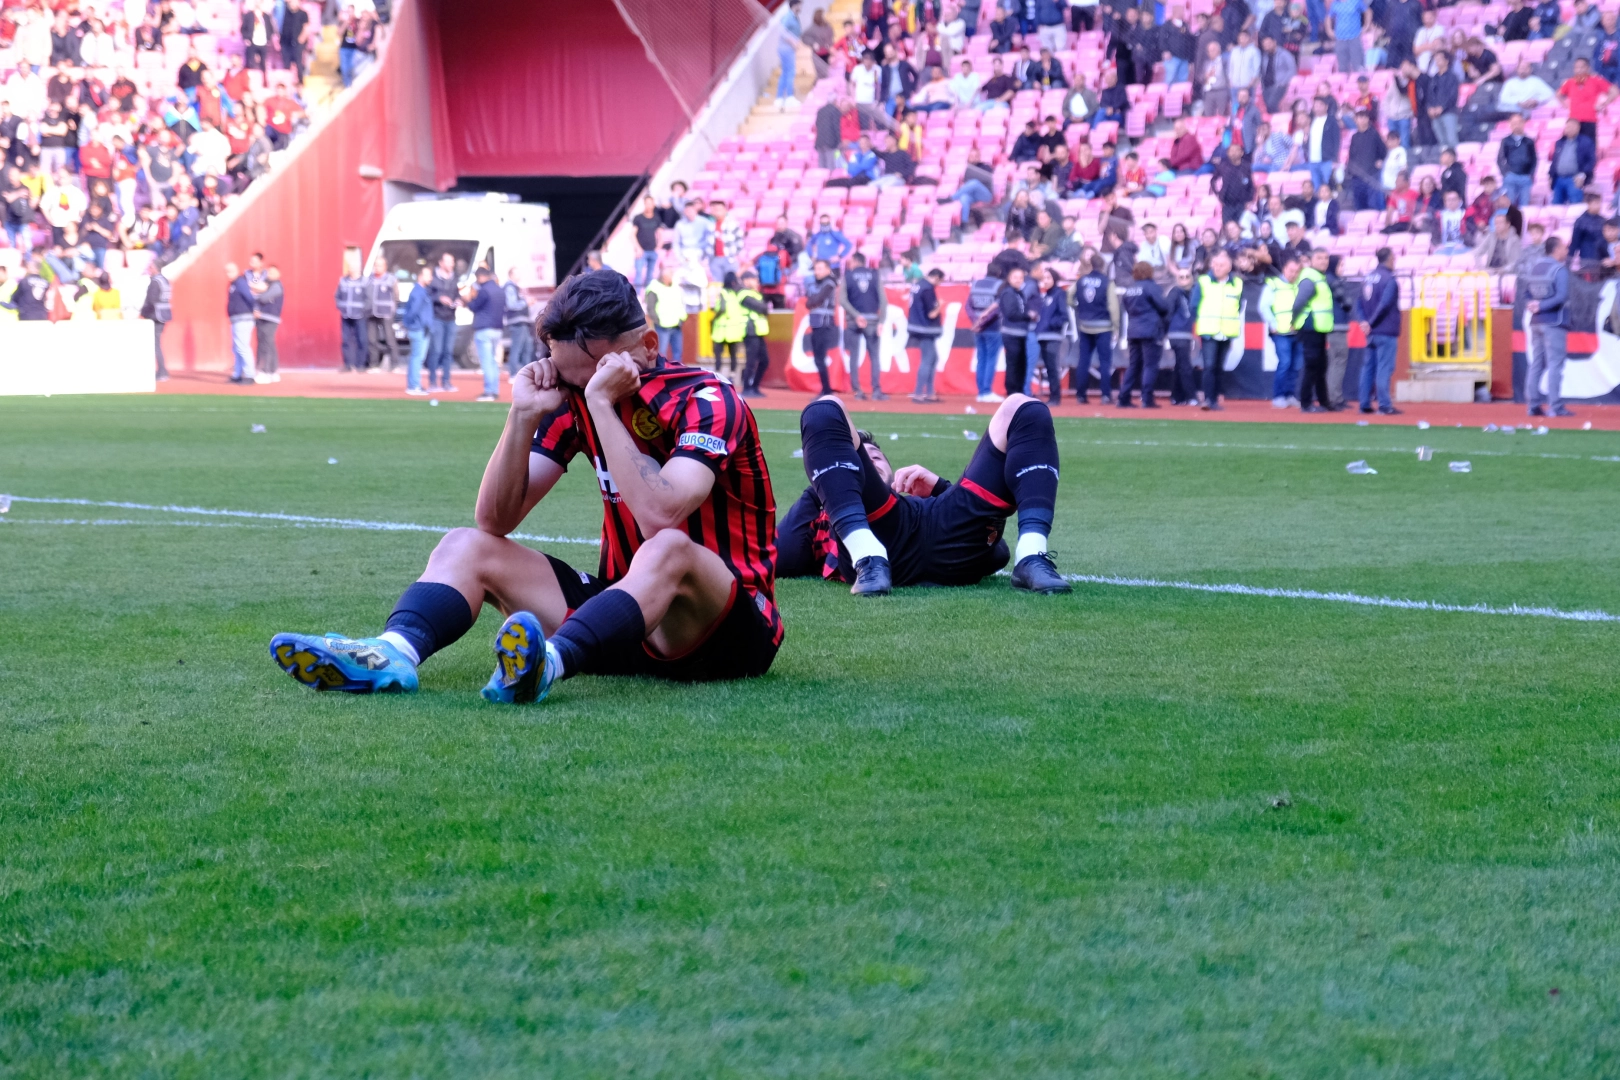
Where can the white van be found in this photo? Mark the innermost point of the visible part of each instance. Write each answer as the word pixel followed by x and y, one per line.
pixel 485 229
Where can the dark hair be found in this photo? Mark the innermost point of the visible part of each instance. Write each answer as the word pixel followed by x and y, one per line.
pixel 1142 271
pixel 1097 263
pixel 1383 255
pixel 598 306
pixel 858 259
pixel 730 281
pixel 1553 244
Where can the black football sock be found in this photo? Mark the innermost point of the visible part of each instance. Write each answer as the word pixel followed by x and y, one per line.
pixel 833 464
pixel 430 616
pixel 608 621
pixel 1032 473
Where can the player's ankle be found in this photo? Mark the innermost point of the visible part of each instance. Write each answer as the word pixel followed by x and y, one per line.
pixel 403 644
pixel 1029 543
pixel 862 544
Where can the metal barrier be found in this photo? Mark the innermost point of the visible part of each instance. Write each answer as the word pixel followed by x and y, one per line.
pixel 1451 322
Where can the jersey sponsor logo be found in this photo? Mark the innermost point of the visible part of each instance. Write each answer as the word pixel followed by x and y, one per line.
pixel 646 425
pixel 697 440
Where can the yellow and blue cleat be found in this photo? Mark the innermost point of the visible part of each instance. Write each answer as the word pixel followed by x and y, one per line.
pixel 352 665
pixel 525 665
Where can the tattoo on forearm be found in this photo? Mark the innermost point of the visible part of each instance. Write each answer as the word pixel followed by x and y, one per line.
pixel 652 473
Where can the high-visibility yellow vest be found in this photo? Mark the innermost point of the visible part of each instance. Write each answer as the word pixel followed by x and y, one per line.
pixel 1320 309
pixel 1220 308
pixel 730 317
pixel 669 304
pixel 761 323
pixel 1283 295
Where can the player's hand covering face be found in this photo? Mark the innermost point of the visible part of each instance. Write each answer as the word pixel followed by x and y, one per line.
pixel 535 389
pixel 617 377
pixel 915 480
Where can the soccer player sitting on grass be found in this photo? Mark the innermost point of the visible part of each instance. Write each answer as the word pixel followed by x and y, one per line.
pixel 685 586
pixel 878 528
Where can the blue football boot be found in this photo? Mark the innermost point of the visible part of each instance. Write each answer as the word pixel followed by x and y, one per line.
pixel 353 665
pixel 525 666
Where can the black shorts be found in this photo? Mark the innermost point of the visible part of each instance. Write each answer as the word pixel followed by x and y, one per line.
pixel 740 645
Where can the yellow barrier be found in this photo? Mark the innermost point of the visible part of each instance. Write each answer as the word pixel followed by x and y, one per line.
pixel 1451 320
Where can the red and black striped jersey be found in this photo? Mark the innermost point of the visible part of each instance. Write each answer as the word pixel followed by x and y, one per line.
pixel 684 412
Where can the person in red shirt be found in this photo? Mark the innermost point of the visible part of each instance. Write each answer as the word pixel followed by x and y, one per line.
pixel 1186 155
pixel 1483 208
pixel 685 587
pixel 1583 94
pixel 236 79
pixel 95 161
pixel 281 113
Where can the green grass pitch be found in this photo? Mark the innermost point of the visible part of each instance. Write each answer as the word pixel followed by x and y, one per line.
pixel 1133 832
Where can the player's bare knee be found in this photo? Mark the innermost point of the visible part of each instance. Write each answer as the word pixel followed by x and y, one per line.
pixel 667 548
pixel 465 548
pixel 1002 420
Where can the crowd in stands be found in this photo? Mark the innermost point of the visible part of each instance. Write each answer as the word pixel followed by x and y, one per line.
pixel 127 125
pixel 954 136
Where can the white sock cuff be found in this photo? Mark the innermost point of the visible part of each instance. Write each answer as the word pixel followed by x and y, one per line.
pixel 862 543
pixel 1030 543
pixel 398 641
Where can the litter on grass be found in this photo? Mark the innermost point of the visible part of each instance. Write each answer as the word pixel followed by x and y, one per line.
pixel 331 461
pixel 433 401
pixel 1488 428
pixel 1423 425
pixel 1587 426
pixel 1425 453
pixel 1360 468
pixel 256 429
pixel 5 504
pixel 894 436
pixel 798 453
pixel 1361 423
pixel 1509 430
pixel 1542 430
pixel 970 434
pixel 1462 466
pixel 970 411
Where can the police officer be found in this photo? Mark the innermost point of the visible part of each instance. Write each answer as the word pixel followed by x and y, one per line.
pixel 1547 285
pixel 1096 316
pixel 756 330
pixel 1281 308
pixel 667 302
pixel 1316 294
pixel 1217 301
pixel 354 305
pixel 382 301
pixel 1015 326
pixel 821 301
pixel 1179 333
pixel 1381 313
pixel 860 294
pixel 157 307
pixel 1145 313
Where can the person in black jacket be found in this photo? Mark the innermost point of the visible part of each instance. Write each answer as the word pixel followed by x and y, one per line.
pixel 1437 102
pixel 1365 165
pixel 266 321
pixel 1014 330
pixel 1146 310
pixel 1517 160
pixel 1233 182
pixel 156 307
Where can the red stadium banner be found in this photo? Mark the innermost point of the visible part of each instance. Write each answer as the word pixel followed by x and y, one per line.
pixel 954 375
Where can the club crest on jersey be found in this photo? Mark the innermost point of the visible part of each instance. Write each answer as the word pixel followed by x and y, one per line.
pixel 697 440
pixel 646 425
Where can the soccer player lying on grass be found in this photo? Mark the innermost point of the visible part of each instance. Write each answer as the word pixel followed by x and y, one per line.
pixel 685 586
pixel 878 528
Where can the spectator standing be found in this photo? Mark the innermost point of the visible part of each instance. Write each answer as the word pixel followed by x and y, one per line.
pixel 1217 304
pixel 1438 92
pixel 417 319
pixel 829 131
pixel 828 244
pixel 487 302
pixel 1350 19
pixel 787 55
pixel 519 324
pixel 821 304
pixel 266 321
pixel 294 37
pixel 1585 95
pixel 382 304
pixel 1573 160
pixel 647 225
pixel 358 25
pixel 1586 245
pixel 1546 282
pixel 442 331
pixel 924 329
pixel 1322 143
pixel 239 303
pixel 1517 159
pixel 861 296
pixel 1364 165
pixel 985 315
pixel 1243 63
pixel 257 31
pixel 1277 70
pixel 353 302
pixel 1381 316
pixel 1096 317
pixel 157 307
pixel 1282 309
pixel 667 302
pixel 1213 84
pixel 1233 183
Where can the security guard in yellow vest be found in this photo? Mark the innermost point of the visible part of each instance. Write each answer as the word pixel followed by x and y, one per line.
pixel 1217 303
pixel 667 302
pixel 758 327
pixel 1283 309
pixel 730 323
pixel 1316 301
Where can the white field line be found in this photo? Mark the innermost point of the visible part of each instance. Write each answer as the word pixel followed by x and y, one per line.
pixel 299 520
pixel 1230 589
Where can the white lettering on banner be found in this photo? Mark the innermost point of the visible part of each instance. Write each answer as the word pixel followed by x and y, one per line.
pixel 697 440
pixel 1594 376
